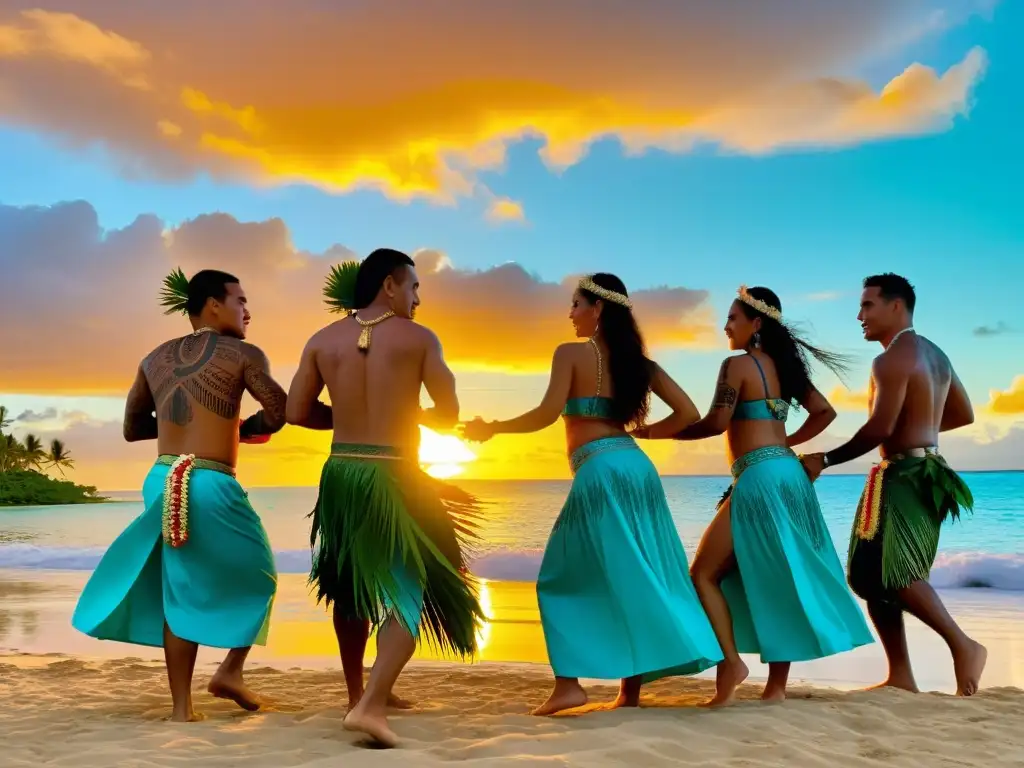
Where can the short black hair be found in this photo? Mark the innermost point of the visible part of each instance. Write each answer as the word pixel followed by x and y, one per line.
pixel 374 270
pixel 892 286
pixel 207 284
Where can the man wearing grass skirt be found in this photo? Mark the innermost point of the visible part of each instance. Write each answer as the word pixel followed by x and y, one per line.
pixel 915 394
pixel 195 568
pixel 387 538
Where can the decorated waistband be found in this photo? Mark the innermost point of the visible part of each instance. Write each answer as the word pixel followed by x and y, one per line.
pixel 587 451
pixel 756 456
pixel 175 504
pixel 869 512
pixel 366 451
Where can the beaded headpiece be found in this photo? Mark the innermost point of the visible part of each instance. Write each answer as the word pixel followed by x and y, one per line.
pixel 760 306
pixel 586 284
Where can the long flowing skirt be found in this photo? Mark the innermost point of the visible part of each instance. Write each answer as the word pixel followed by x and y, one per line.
pixel 388 542
pixel 615 594
pixel 788 595
pixel 215 589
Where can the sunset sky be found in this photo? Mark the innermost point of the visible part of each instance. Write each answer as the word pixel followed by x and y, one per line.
pixel 686 147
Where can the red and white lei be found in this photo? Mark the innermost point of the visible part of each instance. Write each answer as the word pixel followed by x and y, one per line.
pixel 871 505
pixel 175 517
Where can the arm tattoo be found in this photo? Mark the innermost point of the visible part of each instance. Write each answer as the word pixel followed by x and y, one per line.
pixel 725 395
pixel 264 389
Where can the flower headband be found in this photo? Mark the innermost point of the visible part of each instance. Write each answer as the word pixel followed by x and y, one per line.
pixel 586 284
pixel 760 306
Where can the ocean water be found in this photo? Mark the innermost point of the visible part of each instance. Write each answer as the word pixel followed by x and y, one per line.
pixel 983 550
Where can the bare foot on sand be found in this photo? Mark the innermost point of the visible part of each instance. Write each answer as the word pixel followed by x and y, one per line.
pixel 374 726
pixel 968 664
pixel 567 696
pixel 394 702
pixel 629 693
pixel 730 676
pixel 773 695
pixel 190 716
pixel 897 681
pixel 231 686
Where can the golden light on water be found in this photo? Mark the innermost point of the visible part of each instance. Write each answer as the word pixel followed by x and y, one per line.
pixel 483 630
pixel 443 456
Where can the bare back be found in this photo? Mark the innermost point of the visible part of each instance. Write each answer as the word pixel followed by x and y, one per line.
pixel 374 394
pixel 928 375
pixel 586 366
pixel 195 385
pixel 746 435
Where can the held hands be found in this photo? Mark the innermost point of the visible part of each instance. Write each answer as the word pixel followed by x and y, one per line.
pixel 813 463
pixel 478 430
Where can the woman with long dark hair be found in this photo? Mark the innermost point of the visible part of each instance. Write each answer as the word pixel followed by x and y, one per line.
pixel 615 595
pixel 766 570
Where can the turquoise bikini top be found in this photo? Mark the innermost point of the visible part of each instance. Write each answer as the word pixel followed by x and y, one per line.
pixel 761 410
pixel 595 407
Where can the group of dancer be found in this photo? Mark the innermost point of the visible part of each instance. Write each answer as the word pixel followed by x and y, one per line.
pixel 618 599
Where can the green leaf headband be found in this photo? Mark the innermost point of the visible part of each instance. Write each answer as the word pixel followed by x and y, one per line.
pixel 174 296
pixel 340 289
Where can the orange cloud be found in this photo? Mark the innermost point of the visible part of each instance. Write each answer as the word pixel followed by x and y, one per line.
pixel 503 209
pixel 92 298
pixel 415 98
pixel 1010 402
pixel 843 399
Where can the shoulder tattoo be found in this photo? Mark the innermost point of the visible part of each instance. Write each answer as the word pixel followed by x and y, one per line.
pixel 725 394
pixel 196 371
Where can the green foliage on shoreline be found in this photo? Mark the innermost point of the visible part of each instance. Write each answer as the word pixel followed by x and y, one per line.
pixel 22 466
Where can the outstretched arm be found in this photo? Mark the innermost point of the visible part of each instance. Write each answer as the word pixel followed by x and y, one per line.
pixel 140 411
pixel 889 377
pixel 684 412
pixel 440 385
pixel 716 421
pixel 266 391
pixel 303 408
pixel 547 413
pixel 958 411
pixel 820 414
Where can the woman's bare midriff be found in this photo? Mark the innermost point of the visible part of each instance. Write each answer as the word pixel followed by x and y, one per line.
pixel 746 436
pixel 580 431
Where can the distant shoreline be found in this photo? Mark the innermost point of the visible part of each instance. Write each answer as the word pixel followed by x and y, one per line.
pixel 561 479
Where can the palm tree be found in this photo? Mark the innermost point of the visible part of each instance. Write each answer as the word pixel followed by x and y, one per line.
pixel 5 418
pixel 33 455
pixel 60 457
pixel 10 452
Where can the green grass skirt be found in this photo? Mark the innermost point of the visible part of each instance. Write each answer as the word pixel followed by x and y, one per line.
pixel 390 541
pixel 917 495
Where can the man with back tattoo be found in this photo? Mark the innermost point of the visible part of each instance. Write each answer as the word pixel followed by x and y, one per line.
pixel 914 395
pixel 195 568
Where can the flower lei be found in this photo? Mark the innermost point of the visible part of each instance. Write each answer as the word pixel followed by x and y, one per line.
pixel 870 510
pixel 175 517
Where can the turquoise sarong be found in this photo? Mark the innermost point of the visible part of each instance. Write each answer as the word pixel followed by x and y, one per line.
pixel 614 589
pixel 216 589
pixel 788 595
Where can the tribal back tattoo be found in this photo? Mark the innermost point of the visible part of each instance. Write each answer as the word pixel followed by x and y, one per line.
pixel 207 371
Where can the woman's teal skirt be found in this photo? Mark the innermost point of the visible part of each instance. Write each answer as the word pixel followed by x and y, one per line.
pixel 788 597
pixel 216 589
pixel 614 589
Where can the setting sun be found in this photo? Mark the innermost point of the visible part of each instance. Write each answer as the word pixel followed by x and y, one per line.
pixel 443 455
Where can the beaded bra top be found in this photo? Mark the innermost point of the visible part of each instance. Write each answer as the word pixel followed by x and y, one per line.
pixel 595 407
pixel 761 410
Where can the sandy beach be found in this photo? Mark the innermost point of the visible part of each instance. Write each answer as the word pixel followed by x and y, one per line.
pixel 74 701
pixel 61 711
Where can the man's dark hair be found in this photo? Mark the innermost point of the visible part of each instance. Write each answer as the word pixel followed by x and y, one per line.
pixel 891 287
pixel 374 270
pixel 207 284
